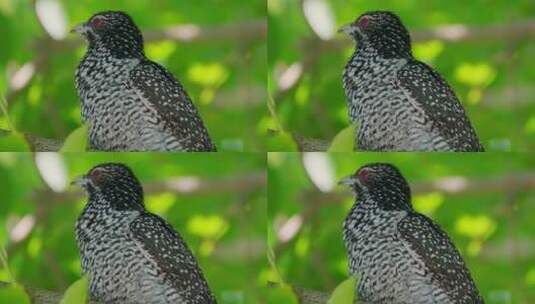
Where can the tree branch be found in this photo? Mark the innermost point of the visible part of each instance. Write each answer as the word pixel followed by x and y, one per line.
pixel 183 186
pixel 453 33
pixel 185 33
pixel 42 296
pixel 453 185
pixel 307 144
pixel 313 48
pixel 189 33
pixel 304 295
pixel 37 143
pixel 309 296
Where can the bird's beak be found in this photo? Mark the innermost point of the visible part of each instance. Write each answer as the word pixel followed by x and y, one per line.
pixel 80 28
pixel 81 181
pixel 349 181
pixel 348 29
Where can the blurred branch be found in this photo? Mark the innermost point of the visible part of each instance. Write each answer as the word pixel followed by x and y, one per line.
pixel 189 33
pixel 182 186
pixel 314 47
pixel 454 185
pixel 305 296
pixel 38 143
pixel 453 33
pixel 449 185
pixel 186 33
pixel 308 144
pixel 42 296
pixel 308 296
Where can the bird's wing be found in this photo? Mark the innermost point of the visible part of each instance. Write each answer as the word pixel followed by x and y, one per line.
pixel 430 244
pixel 166 97
pixel 440 104
pixel 163 245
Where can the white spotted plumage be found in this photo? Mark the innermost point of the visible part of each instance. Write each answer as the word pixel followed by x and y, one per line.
pixel 399 103
pixel 398 255
pixel 130 102
pixel 129 254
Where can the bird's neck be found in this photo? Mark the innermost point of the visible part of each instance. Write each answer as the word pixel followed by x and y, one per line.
pixel 385 198
pixel 386 50
pixel 110 49
pixel 116 199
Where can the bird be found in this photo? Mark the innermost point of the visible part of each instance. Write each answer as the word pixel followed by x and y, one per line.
pixel 129 102
pixel 129 254
pixel 400 256
pixel 397 102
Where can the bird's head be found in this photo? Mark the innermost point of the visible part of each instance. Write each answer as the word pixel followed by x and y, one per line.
pixel 116 183
pixel 382 31
pixel 383 184
pixel 113 30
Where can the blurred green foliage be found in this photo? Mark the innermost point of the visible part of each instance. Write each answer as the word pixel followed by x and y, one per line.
pixel 224 225
pixel 493 78
pixel 493 228
pixel 224 76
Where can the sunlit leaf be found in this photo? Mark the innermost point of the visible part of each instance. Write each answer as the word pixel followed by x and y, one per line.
pixel 344 292
pixel 14 142
pixel 475 226
pixel 77 292
pixel 428 203
pixel 344 140
pixel 77 141
pixel 212 226
pixel 427 51
pixel 479 74
pixel 14 293
pixel 208 74
pixel 160 51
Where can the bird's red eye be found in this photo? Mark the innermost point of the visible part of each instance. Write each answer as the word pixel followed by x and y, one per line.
pixel 96 174
pixel 98 23
pixel 363 22
pixel 364 175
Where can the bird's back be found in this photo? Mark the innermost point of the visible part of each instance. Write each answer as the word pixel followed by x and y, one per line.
pixel 443 114
pixel 173 117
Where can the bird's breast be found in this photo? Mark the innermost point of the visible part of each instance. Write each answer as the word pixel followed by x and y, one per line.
pixel 377 103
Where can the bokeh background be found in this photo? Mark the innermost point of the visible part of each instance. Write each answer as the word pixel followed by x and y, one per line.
pixel 483 48
pixel 486 203
pixel 218 205
pixel 218 52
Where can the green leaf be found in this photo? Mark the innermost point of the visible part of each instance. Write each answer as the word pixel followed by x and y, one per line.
pixel 344 293
pixel 14 142
pixel 344 140
pixel 77 292
pixel 282 294
pixel 77 140
pixel 14 293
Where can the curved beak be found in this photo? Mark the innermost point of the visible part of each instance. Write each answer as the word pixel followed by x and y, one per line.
pixel 81 181
pixel 81 28
pixel 349 181
pixel 348 29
